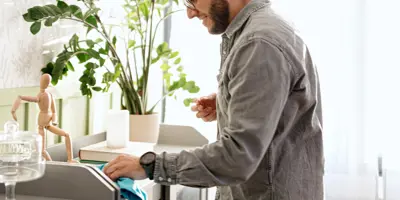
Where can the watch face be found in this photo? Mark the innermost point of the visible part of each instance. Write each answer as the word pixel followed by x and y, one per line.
pixel 148 158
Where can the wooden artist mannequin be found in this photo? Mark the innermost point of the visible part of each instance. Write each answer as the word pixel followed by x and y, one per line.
pixel 47 117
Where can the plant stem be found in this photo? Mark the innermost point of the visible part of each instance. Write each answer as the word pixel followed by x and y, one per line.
pixel 114 53
pixel 127 80
pixel 141 34
pixel 147 67
pixel 135 63
pixel 162 98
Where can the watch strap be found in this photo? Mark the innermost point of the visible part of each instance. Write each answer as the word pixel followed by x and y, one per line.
pixel 148 167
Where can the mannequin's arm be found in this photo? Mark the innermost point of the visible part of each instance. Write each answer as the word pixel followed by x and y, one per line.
pixel 53 110
pixel 17 102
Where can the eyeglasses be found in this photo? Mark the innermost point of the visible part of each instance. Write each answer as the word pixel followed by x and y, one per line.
pixel 189 4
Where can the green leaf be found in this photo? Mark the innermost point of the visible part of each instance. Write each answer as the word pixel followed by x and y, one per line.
pixel 177 61
pixel 174 54
pixel 105 89
pixel 90 12
pixel 92 81
pixel 191 87
pixel 91 20
pixel 187 101
pixel 59 66
pixel 167 75
pixel 84 79
pixel 179 69
pixel 54 81
pixel 91 66
pixel 84 88
pixel 177 2
pixel 27 18
pixel 76 11
pixel 182 75
pixel 90 43
pixel 131 43
pixel 98 40
pixel 46 11
pixel 63 6
pixel 102 51
pixel 107 47
pixel 102 61
pixel 154 60
pixel 174 86
pixel 195 89
pixel 97 89
pixel 83 57
pixel 73 42
pixel 35 27
pixel 182 81
pixel 145 11
pixel 70 66
pixel 49 21
pixel 114 41
pixel 165 67
pixel 107 77
pixel 53 10
pixel 34 13
pixel 93 53
pixel 65 71
pixel 48 69
pixel 162 48
pixel 117 72
pixel 89 29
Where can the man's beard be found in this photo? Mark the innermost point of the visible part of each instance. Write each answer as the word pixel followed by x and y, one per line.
pixel 219 13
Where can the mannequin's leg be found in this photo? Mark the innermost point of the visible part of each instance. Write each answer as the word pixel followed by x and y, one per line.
pixel 45 154
pixel 68 142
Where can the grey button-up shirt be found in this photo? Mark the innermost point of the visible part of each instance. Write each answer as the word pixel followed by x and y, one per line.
pixel 268 113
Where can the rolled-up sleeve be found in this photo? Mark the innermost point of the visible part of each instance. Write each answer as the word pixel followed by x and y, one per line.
pixel 258 87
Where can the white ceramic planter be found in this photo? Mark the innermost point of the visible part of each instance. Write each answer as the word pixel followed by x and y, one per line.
pixel 144 128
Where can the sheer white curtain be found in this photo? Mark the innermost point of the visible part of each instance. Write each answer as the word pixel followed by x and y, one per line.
pixel 355 45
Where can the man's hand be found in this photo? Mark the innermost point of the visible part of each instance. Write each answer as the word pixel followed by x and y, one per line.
pixel 206 107
pixel 125 166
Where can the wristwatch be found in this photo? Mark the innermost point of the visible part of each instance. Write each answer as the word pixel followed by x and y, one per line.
pixel 147 161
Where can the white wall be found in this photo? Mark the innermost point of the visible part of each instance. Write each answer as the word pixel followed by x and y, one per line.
pixel 21 53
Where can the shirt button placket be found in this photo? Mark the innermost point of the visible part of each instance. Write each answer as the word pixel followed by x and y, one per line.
pixel 224 48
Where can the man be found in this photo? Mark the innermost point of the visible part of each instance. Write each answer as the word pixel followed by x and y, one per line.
pixel 267 108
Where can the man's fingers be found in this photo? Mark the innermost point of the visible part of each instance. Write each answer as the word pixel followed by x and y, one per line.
pixel 212 96
pixel 210 117
pixel 111 166
pixel 202 114
pixel 116 174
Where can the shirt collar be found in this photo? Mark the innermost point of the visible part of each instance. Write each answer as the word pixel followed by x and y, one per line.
pixel 243 15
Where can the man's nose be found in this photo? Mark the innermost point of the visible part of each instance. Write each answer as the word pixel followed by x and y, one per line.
pixel 191 13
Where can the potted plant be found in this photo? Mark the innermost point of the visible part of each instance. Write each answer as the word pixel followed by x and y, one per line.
pixel 101 55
